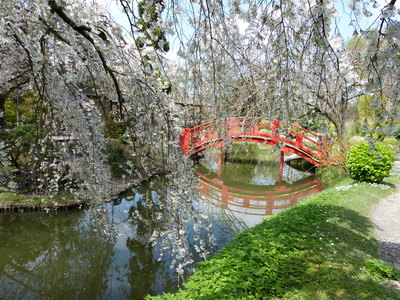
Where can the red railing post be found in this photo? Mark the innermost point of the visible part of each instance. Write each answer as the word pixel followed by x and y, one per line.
pixel 281 163
pixel 185 139
pixel 274 127
pixel 299 140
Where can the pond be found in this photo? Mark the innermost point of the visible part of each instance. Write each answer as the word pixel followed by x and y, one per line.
pixel 130 248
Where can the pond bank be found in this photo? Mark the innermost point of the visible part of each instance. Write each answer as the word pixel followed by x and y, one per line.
pixel 323 248
pixel 10 201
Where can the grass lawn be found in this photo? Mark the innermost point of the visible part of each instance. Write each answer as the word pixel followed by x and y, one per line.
pixel 14 200
pixel 324 248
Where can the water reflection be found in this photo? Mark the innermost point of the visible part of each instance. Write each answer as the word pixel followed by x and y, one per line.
pixel 250 191
pixel 123 250
pixel 146 241
pixel 53 256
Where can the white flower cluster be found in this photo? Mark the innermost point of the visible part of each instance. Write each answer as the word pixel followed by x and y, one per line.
pixel 380 185
pixel 345 187
pixel 373 184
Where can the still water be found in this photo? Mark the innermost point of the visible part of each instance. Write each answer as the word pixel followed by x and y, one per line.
pixel 111 252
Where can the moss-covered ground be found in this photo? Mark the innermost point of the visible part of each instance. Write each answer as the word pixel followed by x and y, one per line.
pixel 324 248
pixel 11 200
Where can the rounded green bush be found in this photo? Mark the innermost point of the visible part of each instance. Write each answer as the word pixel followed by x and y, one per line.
pixel 370 163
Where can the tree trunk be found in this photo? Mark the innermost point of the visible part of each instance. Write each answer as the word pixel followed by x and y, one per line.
pixel 340 135
pixel 340 131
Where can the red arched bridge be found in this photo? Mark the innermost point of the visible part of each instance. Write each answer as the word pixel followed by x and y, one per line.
pixel 288 137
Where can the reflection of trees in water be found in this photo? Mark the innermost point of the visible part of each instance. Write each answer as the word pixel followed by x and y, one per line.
pixel 225 223
pixel 170 228
pixel 146 274
pixel 247 165
pixel 53 255
pixel 72 254
pixel 251 173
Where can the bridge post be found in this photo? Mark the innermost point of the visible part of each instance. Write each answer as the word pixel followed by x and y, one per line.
pixel 220 160
pixel 274 127
pixel 281 163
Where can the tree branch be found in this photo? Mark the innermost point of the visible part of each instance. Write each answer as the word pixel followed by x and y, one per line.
pixel 84 31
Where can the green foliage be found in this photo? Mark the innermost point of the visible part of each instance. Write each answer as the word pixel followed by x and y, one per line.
pixel 364 109
pixel 117 161
pixel 356 129
pixel 114 130
pixel 356 44
pixel 392 143
pixel 381 269
pixel 10 113
pixel 331 175
pixel 371 111
pixel 116 169
pixel 147 22
pixel 370 163
pixel 20 111
pixel 396 133
pixel 18 144
pixel 313 123
pixel 316 250
pixel 116 154
pixel 23 134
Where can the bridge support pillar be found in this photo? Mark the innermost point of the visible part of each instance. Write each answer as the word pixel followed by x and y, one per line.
pixel 220 161
pixel 281 163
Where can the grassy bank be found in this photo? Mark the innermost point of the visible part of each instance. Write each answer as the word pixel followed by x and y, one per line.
pixel 323 248
pixel 11 200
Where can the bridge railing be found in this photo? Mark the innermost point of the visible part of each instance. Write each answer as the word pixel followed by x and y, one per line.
pixel 219 133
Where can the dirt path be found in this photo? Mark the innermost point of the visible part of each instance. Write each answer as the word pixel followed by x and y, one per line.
pixel 386 219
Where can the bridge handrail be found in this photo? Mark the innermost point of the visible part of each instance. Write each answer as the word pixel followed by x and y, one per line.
pixel 293 136
pixel 288 129
pixel 215 122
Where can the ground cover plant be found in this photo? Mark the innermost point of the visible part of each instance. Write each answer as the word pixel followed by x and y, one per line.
pixel 321 249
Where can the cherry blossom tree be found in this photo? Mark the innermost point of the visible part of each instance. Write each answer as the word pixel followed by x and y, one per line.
pixel 66 52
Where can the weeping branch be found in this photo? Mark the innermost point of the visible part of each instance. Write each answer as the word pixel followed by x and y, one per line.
pixel 84 31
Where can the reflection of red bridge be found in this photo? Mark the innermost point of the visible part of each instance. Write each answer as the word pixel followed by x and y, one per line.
pixel 291 138
pixel 264 202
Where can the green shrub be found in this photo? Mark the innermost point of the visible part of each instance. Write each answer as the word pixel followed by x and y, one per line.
pixel 116 170
pixel 370 163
